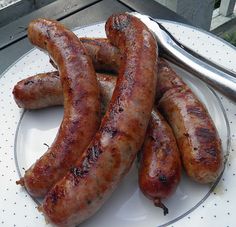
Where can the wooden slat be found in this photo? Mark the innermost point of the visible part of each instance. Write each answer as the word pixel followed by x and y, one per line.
pixel 19 9
pixel 199 13
pixel 227 7
pixel 89 15
pixel 15 11
pixel 57 10
pixel 95 13
pixel 154 9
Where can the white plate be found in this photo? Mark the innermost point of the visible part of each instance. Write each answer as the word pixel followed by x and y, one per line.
pixel 24 133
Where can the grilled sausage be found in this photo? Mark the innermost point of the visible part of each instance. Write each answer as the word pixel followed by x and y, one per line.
pixel 44 90
pixel 112 151
pixel 160 167
pixel 105 57
pixel 196 135
pixel 39 91
pixel 194 130
pixel 81 105
pixel 167 80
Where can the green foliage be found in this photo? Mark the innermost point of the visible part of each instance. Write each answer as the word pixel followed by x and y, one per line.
pixel 230 37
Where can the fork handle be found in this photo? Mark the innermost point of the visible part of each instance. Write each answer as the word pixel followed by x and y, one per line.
pixel 218 79
pixel 172 50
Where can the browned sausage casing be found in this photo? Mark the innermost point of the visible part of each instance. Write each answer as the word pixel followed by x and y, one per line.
pixel 105 56
pixel 204 162
pixel 167 80
pixel 160 167
pixel 112 151
pixel 39 91
pixel 81 105
pixel 196 135
pixel 45 90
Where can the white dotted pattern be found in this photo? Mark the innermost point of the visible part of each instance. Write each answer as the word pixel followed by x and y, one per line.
pixel 204 44
pixel 16 206
pixel 219 208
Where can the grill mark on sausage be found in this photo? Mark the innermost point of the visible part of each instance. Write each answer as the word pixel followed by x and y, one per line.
pixel 160 166
pixel 162 178
pixel 196 110
pixel 212 151
pixel 95 42
pixel 205 135
pixel 169 75
pixel 74 133
pixel 92 156
pixel 72 128
pixel 117 108
pixel 110 130
pixel 93 153
pixel 79 172
pixel 81 95
pixel 53 196
pixel 29 82
pixel 120 25
pixel 118 152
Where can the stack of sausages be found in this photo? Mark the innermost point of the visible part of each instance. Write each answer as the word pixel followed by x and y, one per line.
pixel 98 140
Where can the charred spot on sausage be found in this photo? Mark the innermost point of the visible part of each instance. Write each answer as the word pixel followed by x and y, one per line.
pixel 110 130
pixel 197 111
pixel 92 156
pixel 94 153
pixel 212 151
pixel 28 82
pixel 162 178
pixel 186 134
pixel 204 134
pixel 121 24
pixel 120 109
pixel 77 172
pixel 89 201
pixel 54 197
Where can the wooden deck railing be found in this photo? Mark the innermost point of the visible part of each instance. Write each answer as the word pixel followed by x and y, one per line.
pixel 199 12
pixel 227 7
pixel 11 10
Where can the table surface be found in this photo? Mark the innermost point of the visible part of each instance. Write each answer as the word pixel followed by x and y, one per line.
pixel 73 13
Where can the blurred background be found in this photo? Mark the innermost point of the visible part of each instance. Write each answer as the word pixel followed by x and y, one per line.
pixel 216 16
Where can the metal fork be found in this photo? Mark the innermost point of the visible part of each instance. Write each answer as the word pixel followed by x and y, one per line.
pixel 220 78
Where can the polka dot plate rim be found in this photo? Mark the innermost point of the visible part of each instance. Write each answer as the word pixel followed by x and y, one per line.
pixel 26 214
